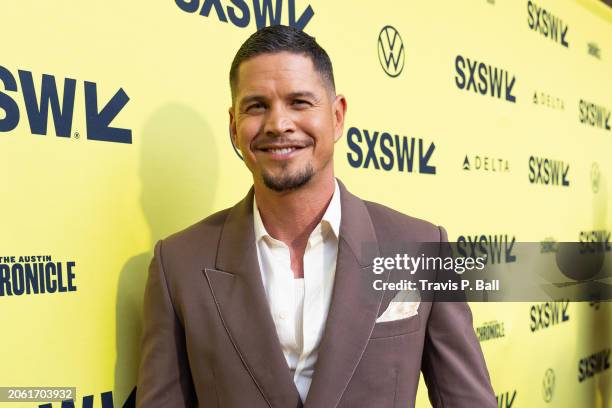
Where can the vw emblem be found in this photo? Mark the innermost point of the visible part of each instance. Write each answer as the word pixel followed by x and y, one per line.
pixel 391 51
pixel 595 177
pixel 548 385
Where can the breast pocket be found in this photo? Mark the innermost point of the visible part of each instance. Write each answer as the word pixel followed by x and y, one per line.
pixel 396 327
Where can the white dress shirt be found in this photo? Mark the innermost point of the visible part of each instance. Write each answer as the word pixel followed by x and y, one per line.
pixel 299 307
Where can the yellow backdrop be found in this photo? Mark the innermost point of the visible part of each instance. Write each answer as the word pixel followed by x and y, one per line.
pixel 114 133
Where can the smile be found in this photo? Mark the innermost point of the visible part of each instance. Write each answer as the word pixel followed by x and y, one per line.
pixel 284 152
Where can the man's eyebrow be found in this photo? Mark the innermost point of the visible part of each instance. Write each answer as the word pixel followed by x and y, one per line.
pixel 302 94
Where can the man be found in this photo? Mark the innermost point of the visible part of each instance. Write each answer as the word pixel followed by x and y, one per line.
pixel 270 303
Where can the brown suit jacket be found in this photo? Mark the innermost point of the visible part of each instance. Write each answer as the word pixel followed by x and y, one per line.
pixel 209 339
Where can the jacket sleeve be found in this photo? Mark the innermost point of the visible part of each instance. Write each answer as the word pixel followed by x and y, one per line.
pixel 453 365
pixel 164 377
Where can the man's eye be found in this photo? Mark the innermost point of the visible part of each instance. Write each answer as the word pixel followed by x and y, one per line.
pixel 255 106
pixel 301 102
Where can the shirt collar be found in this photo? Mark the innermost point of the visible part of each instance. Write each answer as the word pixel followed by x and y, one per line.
pixel 331 216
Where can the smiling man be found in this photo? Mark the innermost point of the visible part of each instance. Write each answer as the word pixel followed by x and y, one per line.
pixel 270 303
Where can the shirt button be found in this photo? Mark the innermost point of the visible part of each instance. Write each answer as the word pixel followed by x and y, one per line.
pixel 282 316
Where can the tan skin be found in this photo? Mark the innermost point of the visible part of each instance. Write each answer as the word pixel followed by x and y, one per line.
pixel 281 101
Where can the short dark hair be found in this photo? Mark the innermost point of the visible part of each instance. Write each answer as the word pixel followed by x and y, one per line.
pixel 280 38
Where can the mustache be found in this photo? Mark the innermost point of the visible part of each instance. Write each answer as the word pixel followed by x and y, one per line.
pixel 280 142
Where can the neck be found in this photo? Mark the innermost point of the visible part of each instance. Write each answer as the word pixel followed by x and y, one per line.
pixel 290 216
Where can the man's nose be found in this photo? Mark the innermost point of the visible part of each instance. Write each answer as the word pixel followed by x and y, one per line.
pixel 278 122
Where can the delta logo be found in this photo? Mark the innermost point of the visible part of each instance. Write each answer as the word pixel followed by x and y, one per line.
pixel 486 164
pixel 240 13
pixel 550 101
pixel 40 101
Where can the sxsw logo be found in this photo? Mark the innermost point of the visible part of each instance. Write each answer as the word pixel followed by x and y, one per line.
pixel 545 315
pixel 391 51
pixel 486 163
pixel 497 248
pixel 543 21
pixel 594 241
pixel 593 364
pixel 594 115
pixel 265 12
pixel 548 171
pixel 484 79
pixel 39 102
pixel 88 401
pixel 506 399
pixel 381 150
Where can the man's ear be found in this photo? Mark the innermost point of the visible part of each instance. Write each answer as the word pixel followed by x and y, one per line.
pixel 232 126
pixel 339 111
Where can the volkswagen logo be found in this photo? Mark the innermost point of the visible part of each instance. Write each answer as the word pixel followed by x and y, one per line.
pixel 548 385
pixel 595 177
pixel 391 51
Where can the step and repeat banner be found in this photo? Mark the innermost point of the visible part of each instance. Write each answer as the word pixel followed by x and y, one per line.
pixel 491 118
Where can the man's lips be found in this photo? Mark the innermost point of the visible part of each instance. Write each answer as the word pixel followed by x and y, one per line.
pixel 280 151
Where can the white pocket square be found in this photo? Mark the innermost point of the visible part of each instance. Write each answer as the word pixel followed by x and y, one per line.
pixel 403 305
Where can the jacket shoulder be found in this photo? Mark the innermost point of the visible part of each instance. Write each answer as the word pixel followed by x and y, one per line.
pixel 393 225
pixel 197 241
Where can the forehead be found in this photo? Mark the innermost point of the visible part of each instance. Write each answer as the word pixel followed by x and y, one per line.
pixel 277 70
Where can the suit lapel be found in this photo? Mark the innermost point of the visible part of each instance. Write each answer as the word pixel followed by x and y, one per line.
pixel 354 306
pixel 240 297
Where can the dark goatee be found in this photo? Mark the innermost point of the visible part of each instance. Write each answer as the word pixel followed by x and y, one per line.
pixel 286 182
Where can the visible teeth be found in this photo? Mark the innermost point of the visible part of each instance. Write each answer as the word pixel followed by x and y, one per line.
pixel 283 151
